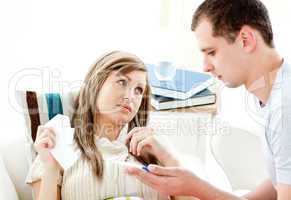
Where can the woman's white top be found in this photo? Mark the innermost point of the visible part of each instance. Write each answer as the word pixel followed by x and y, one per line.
pixel 79 183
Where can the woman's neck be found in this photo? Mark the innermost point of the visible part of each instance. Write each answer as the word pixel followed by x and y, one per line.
pixel 108 129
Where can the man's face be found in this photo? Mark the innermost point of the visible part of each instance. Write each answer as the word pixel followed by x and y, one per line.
pixel 222 59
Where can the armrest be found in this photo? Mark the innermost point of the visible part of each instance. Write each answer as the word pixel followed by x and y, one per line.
pixel 7 189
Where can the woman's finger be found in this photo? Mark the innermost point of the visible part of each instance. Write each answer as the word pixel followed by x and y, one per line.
pixel 136 138
pixel 51 143
pixel 40 129
pixel 45 132
pixel 45 142
pixel 139 135
pixel 42 143
pixel 131 133
pixel 141 145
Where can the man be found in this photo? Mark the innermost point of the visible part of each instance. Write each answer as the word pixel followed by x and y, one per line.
pixel 236 39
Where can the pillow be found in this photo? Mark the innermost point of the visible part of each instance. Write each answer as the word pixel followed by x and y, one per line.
pixel 38 108
pixel 7 189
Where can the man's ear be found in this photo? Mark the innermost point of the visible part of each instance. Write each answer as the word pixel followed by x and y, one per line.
pixel 247 39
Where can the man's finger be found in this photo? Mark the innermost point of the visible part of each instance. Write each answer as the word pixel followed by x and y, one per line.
pixel 145 177
pixel 163 171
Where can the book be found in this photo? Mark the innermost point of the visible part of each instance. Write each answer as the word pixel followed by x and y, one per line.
pixel 183 85
pixel 202 98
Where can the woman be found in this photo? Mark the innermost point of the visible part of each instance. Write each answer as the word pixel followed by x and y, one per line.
pixel 110 121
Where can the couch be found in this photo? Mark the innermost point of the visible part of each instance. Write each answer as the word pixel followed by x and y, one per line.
pixel 231 161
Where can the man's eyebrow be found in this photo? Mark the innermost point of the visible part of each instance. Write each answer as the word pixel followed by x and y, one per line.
pixel 206 49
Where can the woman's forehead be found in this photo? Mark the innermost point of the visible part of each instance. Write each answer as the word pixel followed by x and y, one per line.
pixel 137 76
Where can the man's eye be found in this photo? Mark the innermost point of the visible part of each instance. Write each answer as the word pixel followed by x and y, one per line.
pixel 211 53
pixel 138 90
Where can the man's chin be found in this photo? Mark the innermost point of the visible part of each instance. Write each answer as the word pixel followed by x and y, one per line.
pixel 231 85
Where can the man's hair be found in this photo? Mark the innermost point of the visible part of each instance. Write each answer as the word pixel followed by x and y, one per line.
pixel 228 16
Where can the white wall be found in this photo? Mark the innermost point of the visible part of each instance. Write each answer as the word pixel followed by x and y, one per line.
pixel 67 36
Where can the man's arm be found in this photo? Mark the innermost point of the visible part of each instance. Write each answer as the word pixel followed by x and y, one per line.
pixel 283 191
pixel 264 191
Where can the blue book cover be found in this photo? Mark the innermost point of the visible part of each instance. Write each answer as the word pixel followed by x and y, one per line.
pixel 202 98
pixel 183 85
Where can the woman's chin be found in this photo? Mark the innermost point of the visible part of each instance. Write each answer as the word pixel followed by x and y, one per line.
pixel 122 120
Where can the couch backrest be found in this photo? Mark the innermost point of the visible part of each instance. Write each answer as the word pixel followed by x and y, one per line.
pixel 240 155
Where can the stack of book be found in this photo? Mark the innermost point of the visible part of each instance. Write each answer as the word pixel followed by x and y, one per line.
pixel 185 89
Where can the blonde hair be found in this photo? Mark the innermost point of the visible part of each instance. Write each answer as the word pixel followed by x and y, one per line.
pixel 86 104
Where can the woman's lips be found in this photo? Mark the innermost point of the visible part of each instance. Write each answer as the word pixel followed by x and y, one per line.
pixel 127 108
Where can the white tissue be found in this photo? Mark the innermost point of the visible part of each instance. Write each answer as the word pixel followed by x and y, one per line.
pixel 63 151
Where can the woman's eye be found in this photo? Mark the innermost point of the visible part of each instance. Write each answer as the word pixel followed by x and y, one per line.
pixel 122 82
pixel 138 90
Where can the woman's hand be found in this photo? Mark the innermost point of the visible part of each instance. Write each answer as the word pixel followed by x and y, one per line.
pixel 45 140
pixel 142 141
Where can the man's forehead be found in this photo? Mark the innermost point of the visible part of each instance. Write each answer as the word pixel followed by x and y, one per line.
pixel 204 36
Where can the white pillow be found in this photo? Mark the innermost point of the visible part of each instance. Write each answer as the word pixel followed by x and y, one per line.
pixel 7 189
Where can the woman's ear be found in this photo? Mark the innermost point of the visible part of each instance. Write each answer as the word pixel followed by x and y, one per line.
pixel 247 38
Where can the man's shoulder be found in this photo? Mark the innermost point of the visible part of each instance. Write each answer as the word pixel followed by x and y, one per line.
pixel 286 68
pixel 286 77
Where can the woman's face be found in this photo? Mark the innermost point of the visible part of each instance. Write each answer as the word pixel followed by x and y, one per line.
pixel 120 96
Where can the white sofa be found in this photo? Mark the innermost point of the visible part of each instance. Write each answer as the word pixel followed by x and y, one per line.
pixel 236 153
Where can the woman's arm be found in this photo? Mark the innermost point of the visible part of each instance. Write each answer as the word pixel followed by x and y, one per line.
pixel 47 188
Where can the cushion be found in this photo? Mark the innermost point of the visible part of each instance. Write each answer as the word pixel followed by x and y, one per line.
pixel 7 189
pixel 38 108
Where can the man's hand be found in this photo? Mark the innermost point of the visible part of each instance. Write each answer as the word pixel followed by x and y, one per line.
pixel 283 191
pixel 177 181
pixel 265 191
pixel 167 180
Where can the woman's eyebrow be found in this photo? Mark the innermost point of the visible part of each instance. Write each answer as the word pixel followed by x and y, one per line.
pixel 127 77
pixel 123 75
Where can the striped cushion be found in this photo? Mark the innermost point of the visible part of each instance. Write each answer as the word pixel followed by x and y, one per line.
pixel 38 108
pixel 125 198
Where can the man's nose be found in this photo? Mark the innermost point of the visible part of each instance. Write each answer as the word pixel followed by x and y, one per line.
pixel 207 67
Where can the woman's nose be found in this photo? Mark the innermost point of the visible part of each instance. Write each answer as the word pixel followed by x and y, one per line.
pixel 128 94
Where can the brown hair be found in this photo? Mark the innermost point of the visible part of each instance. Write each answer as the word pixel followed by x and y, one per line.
pixel 86 109
pixel 228 16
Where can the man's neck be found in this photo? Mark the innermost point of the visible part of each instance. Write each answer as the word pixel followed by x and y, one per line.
pixel 263 75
